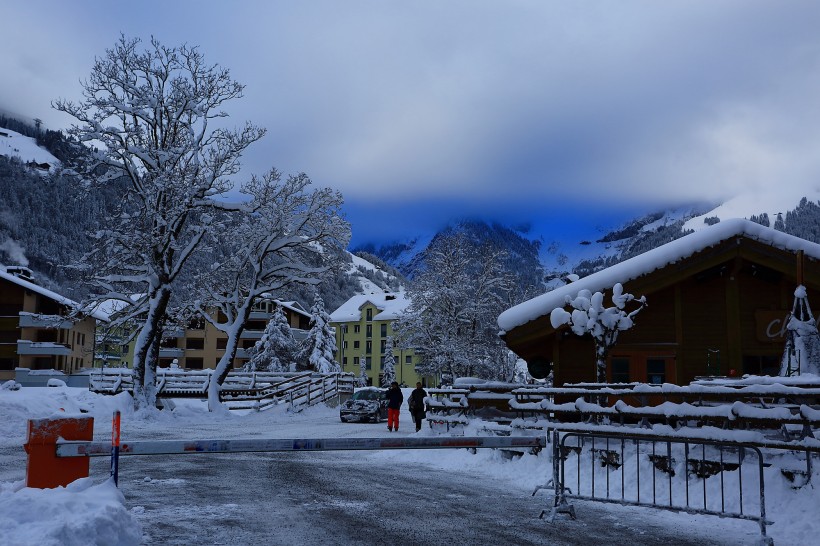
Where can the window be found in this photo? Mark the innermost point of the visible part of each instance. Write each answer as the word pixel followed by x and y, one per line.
pixel 344 361
pixel 381 363
pixel 408 359
pixel 368 362
pixel 761 365
pixel 355 360
pixel 369 331
pixel 384 345
pixel 384 330
pixel 344 328
pixel 620 370
pixel 355 343
pixel 357 328
pixel 344 345
pixel 655 371
pixel 368 347
pixel 221 343
pixel 193 363
pixel 369 314
pixel 195 343
pixel 7 364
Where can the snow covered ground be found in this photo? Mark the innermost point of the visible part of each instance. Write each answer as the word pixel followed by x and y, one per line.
pixel 13 144
pixel 177 500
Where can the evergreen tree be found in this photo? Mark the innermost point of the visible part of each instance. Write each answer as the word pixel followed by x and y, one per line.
pixel 320 345
pixel 276 350
pixel 363 371
pixel 389 368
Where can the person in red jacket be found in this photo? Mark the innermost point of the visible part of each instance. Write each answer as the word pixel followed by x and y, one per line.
pixel 394 400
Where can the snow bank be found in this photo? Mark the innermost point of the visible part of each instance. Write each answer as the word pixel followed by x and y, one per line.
pixel 80 514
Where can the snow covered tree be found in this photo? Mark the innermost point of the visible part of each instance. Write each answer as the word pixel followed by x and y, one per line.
pixel 149 114
pixel 276 350
pixel 284 236
pixel 589 316
pixel 455 303
pixel 363 371
pixel 522 372
pixel 320 345
pixel 389 368
pixel 802 352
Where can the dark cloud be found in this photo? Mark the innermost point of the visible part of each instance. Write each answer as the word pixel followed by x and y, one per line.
pixel 472 103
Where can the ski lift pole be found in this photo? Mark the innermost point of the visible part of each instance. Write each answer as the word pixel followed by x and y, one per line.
pixel 115 447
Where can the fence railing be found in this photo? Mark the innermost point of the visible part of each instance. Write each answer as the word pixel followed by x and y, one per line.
pixel 698 476
pixel 240 390
pixel 787 410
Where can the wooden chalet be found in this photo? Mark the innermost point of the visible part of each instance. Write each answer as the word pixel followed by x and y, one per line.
pixel 717 303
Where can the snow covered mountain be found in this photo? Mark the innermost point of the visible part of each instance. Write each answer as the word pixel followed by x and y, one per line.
pixel 795 211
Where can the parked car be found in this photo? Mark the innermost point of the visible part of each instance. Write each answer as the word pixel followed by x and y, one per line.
pixel 366 404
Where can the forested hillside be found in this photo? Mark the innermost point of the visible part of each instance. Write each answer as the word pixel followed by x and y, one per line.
pixel 46 220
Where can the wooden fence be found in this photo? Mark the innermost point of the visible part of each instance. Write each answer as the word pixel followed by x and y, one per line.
pixel 240 390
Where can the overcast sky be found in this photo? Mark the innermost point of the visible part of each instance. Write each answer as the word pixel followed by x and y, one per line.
pixel 521 111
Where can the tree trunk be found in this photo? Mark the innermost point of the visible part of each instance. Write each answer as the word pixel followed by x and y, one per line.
pixel 146 350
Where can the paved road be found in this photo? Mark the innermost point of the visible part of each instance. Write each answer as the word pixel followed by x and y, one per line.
pixel 354 498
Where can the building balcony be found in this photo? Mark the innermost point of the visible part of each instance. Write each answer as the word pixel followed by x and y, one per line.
pixel 260 315
pixel 171 352
pixel 42 348
pixel 241 353
pixel 173 333
pixel 251 334
pixel 37 320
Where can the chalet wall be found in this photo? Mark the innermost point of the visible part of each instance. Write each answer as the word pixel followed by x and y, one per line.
pixel 723 312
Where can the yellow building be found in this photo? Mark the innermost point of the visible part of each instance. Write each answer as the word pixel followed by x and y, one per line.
pixel 36 330
pixel 363 323
pixel 200 346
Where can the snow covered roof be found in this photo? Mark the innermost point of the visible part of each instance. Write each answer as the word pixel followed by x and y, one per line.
pixel 293 306
pixel 390 306
pixel 37 289
pixel 652 260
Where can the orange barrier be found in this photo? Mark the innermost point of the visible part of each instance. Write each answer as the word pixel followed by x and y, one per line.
pixel 43 468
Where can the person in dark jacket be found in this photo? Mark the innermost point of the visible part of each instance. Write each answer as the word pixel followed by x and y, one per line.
pixel 416 403
pixel 394 400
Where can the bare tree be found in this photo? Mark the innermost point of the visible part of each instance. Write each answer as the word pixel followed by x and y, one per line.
pixel 285 235
pixel 455 303
pixel 149 114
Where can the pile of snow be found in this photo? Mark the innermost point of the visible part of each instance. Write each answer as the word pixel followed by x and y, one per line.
pixel 80 514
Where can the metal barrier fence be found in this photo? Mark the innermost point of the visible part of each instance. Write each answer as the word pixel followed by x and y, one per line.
pixel 660 472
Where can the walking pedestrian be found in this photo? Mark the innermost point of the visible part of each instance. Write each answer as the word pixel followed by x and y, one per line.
pixel 416 403
pixel 394 400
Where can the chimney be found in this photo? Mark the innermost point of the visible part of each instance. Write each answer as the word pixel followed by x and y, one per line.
pixel 20 272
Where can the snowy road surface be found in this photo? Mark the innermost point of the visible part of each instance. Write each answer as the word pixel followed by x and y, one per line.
pixel 333 498
pixel 390 497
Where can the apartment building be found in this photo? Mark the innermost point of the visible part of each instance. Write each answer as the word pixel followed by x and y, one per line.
pixel 201 346
pixel 363 323
pixel 36 330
